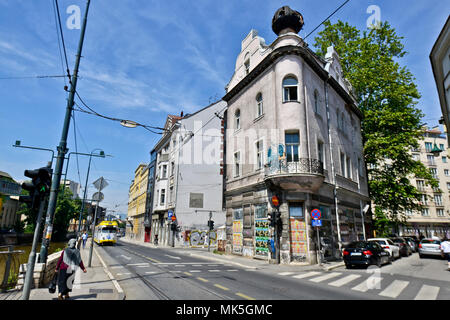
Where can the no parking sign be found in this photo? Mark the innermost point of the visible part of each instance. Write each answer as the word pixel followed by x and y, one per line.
pixel 315 214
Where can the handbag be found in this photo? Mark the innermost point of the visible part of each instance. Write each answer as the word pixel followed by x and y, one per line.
pixel 53 282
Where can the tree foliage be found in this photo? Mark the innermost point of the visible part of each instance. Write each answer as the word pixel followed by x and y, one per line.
pixel 392 124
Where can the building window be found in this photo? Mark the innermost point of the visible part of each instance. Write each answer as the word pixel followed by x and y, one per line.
pixel 247 63
pixel 425 212
pixel 342 164
pixel 349 167
pixel 296 209
pixel 321 153
pixel 164 171
pixel 342 121
pixel 237 116
pixel 444 159
pixel 424 199
pixel 163 197
pixel 290 89
pixel 172 168
pixel 408 212
pixel 433 172
pixel 237 164
pixel 446 172
pixel 259 147
pixel 420 185
pixel 440 212
pixel 441 146
pixel 430 159
pixel 428 146
pixel 259 105
pixel 316 101
pixel 438 199
pixel 360 168
pixel 292 141
pixel 416 157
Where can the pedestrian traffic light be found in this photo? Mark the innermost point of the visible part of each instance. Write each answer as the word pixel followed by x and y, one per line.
pixel 173 227
pixel 38 187
pixel 278 217
pixel 211 224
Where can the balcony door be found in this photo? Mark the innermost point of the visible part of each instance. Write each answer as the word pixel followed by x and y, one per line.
pixel 292 141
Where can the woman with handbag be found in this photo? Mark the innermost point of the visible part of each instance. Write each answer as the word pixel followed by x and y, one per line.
pixel 67 264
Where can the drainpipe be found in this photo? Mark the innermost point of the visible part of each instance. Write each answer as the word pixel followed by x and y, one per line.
pixel 333 174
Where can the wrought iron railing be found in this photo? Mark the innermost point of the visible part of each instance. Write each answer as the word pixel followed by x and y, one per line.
pixel 303 165
pixel 9 267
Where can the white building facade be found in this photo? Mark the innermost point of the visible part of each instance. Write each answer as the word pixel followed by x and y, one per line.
pixel 292 130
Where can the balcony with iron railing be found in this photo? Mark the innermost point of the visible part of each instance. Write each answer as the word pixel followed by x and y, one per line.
pixel 302 175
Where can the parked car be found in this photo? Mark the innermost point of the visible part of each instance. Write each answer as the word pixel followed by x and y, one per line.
pixel 405 248
pixel 429 247
pixel 412 243
pixel 389 246
pixel 365 253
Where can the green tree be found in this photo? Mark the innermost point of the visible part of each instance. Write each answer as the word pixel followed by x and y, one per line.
pixel 66 210
pixel 392 125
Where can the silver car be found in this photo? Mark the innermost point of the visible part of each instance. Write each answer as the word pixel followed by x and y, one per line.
pixel 429 247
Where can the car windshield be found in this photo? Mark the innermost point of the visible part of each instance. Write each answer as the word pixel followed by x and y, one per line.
pixel 431 241
pixel 398 240
pixel 382 242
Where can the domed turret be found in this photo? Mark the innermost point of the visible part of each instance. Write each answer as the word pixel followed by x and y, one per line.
pixel 287 20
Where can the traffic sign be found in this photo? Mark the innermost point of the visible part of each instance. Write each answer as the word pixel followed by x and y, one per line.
pixel 169 214
pixel 316 223
pixel 275 201
pixel 315 214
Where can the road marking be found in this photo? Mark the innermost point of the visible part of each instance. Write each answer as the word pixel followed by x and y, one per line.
pixel 153 260
pixel 345 280
pixel 116 267
pixel 138 264
pixel 244 296
pixel 195 271
pixel 221 287
pixel 128 258
pixel 232 270
pixel 286 273
pixel 394 289
pixel 202 279
pixel 180 265
pixel 123 274
pixel 214 270
pixel 172 257
pixel 368 284
pixel 187 273
pixel 325 277
pixel 150 272
pixel 427 293
pixel 305 275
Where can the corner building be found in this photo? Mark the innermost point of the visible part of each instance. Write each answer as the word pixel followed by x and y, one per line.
pixel 293 129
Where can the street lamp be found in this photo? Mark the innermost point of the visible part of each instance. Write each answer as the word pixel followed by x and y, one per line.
pixel 18 145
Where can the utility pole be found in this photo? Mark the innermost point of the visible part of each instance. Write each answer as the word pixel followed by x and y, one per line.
pixel 62 148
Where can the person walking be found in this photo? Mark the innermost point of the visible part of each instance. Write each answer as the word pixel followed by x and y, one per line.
pixel 84 237
pixel 445 248
pixel 67 264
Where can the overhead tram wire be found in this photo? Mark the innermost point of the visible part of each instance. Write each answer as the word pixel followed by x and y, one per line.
pixel 327 18
pixel 59 43
pixel 62 40
pixel 31 77
pixel 93 112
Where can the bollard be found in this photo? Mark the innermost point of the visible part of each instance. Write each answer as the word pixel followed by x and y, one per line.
pixel 7 269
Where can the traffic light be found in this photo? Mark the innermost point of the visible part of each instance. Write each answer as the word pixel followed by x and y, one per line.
pixel 211 224
pixel 270 217
pixel 173 227
pixel 38 187
pixel 278 217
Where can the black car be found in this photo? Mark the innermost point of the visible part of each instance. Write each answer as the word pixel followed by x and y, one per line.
pixel 365 253
pixel 405 248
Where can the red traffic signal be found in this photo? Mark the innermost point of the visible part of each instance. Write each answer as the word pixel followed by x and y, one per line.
pixel 275 201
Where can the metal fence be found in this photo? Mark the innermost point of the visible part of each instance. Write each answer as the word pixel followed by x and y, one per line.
pixel 9 267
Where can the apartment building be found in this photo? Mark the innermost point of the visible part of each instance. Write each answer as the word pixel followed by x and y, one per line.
pixel 137 200
pixel 293 129
pixel 434 218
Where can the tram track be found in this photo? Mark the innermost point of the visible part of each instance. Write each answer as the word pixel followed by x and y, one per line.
pixel 160 293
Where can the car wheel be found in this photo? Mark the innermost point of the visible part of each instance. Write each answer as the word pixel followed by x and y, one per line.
pixel 348 266
pixel 379 262
pixel 420 256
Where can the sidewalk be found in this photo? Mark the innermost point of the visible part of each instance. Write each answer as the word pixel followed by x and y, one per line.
pixel 244 262
pixel 96 284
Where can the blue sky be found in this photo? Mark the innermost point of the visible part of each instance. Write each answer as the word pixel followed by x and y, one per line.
pixel 143 59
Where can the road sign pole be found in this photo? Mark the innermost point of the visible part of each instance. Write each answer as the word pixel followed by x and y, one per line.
pixel 318 246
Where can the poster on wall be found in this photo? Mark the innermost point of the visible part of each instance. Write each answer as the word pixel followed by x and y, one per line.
pixel 298 237
pixel 262 237
pixel 237 236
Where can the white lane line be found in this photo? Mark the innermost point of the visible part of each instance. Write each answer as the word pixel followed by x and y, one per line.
pixel 286 273
pixel 117 267
pixel 122 274
pixel 394 289
pixel 195 271
pixel 427 293
pixel 138 264
pixel 128 258
pixel 369 284
pixel 180 265
pixel 172 257
pixel 110 276
pixel 305 275
pixel 325 277
pixel 214 270
pixel 150 272
pixel 345 280
pixel 232 270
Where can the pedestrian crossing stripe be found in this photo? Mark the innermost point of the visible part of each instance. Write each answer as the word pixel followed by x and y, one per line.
pixel 325 277
pixel 427 293
pixel 345 280
pixel 394 289
pixel 306 275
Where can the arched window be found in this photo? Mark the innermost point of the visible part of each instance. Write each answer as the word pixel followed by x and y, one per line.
pixel 290 84
pixel 316 101
pixel 247 63
pixel 259 104
pixel 237 116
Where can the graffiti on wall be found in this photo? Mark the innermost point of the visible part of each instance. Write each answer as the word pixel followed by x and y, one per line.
pixel 199 238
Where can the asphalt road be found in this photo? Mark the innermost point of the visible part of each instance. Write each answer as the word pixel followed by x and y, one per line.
pixel 147 273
